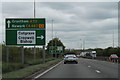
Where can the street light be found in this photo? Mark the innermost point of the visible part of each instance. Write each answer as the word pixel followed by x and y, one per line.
pixel 113 39
pixel 52 36
pixel 34 46
pixel 81 44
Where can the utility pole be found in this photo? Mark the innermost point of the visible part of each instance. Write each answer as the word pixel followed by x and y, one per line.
pixel 34 9
pixel 83 44
pixel 113 39
pixel 52 37
pixel 34 46
pixel 43 45
pixel 55 45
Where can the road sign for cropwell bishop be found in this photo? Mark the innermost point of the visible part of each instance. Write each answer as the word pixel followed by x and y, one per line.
pixel 25 31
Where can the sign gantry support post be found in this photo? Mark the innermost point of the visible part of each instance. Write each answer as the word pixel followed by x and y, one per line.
pixel 25 32
pixel 23 56
pixel 7 55
pixel 43 54
pixel 34 54
pixel 34 46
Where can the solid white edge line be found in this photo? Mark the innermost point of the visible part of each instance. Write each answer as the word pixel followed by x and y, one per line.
pixel 47 70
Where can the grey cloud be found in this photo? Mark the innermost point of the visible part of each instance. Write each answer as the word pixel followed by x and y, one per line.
pixel 80 11
pixel 17 9
pixel 57 6
pixel 91 21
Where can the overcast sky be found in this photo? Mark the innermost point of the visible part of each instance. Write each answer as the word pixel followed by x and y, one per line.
pixel 74 22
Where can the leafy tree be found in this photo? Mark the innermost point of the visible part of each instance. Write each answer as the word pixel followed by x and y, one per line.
pixel 55 42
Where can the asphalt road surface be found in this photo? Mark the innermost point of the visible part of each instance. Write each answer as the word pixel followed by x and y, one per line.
pixel 86 68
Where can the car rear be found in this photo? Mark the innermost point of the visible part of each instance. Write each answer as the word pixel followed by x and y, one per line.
pixel 70 59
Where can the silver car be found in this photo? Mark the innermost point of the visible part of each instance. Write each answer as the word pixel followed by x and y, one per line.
pixel 70 59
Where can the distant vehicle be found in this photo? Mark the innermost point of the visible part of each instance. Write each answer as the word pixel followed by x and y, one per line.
pixel 113 56
pixel 70 53
pixel 93 54
pixel 70 58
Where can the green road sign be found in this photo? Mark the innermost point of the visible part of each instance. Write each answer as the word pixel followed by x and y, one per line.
pixel 56 49
pixel 28 23
pixel 56 52
pixel 25 32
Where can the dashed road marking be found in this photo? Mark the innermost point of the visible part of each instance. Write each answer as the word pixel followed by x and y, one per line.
pixel 89 66
pixel 97 71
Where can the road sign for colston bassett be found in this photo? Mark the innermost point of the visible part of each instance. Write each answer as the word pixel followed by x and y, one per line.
pixel 25 31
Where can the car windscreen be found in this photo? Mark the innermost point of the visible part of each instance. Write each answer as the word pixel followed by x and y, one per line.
pixel 70 56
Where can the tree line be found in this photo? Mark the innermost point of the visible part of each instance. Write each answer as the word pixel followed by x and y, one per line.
pixel 106 52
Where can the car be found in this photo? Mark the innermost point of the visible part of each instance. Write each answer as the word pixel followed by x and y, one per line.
pixel 70 58
pixel 113 57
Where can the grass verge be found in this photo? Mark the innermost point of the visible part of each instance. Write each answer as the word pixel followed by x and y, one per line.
pixel 29 70
pixel 13 66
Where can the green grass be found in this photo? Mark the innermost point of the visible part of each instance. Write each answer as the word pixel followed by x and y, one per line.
pixel 29 70
pixel 9 67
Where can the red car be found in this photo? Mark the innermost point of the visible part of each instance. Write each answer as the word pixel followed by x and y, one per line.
pixel 113 56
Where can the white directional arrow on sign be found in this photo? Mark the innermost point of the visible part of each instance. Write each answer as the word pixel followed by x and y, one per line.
pixel 41 37
pixel 8 23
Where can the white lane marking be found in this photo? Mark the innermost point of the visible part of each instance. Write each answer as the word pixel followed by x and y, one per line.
pixel 89 66
pixel 47 71
pixel 97 71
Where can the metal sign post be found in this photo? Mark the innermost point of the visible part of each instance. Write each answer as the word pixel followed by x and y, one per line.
pixel 7 54
pixel 25 32
pixel 43 54
pixel 34 53
pixel 23 56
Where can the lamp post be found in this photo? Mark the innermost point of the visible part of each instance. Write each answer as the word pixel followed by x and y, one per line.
pixel 52 37
pixel 113 39
pixel 34 46
pixel 81 44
